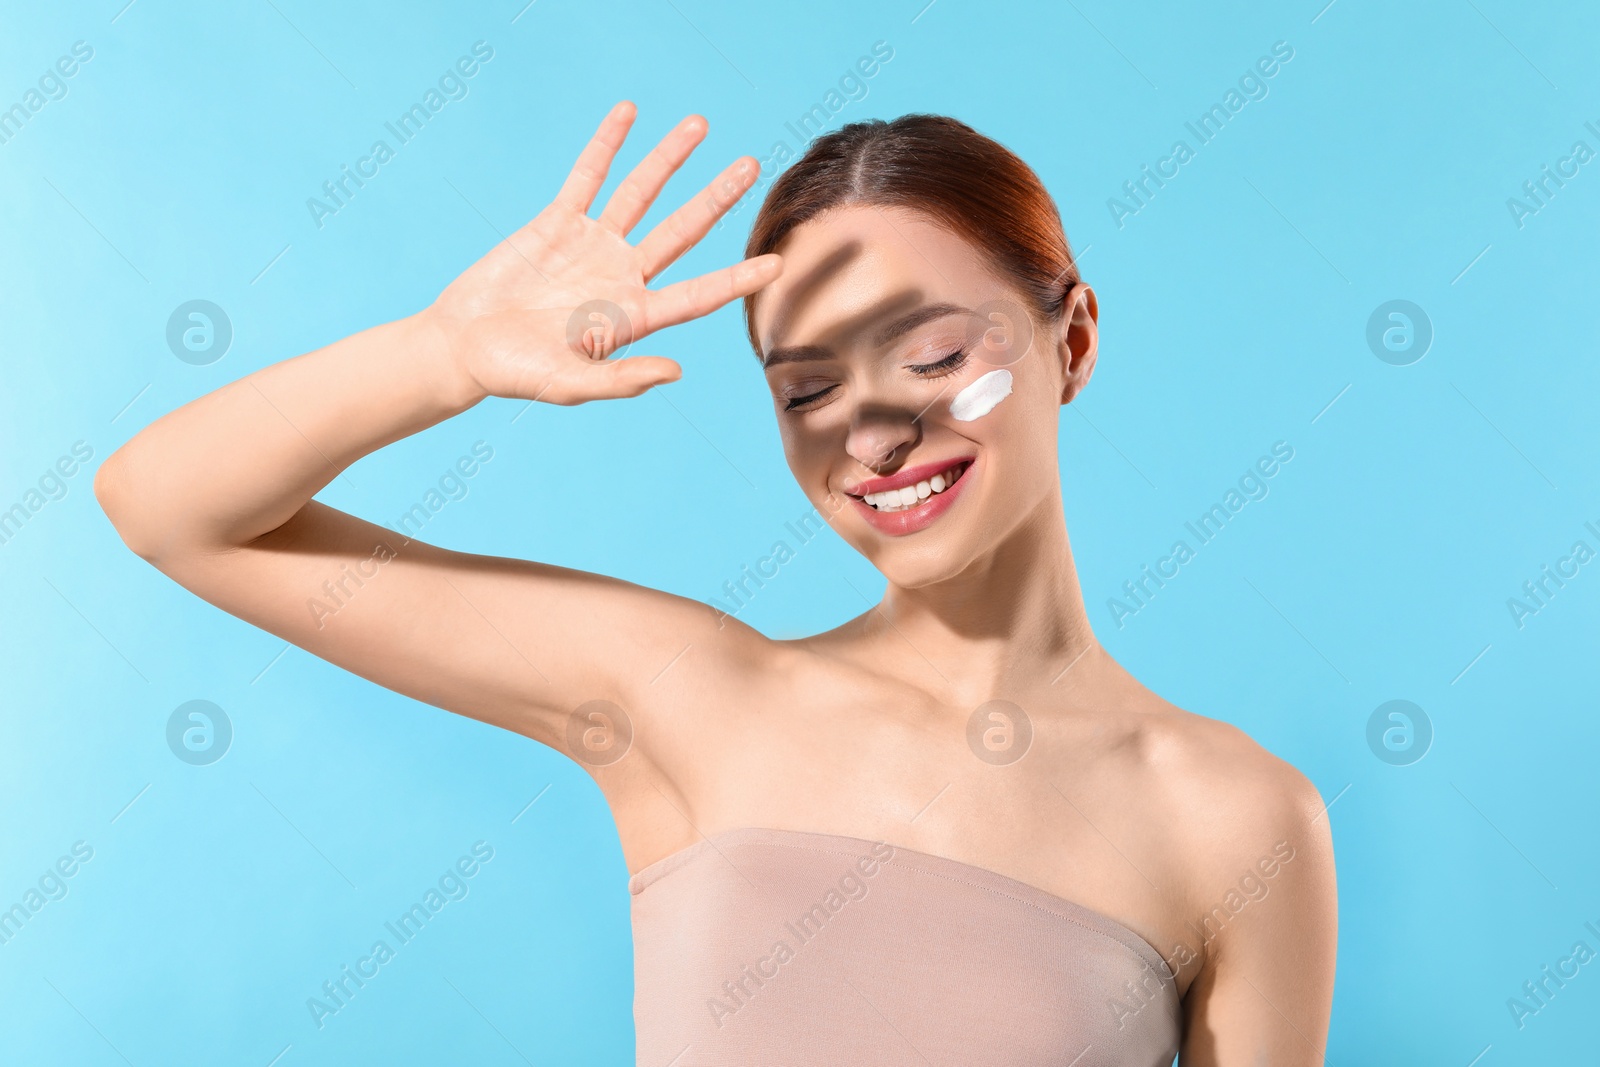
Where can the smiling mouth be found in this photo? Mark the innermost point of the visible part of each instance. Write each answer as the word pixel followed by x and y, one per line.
pixel 908 497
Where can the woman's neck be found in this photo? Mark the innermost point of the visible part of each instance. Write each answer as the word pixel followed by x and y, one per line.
pixel 1009 621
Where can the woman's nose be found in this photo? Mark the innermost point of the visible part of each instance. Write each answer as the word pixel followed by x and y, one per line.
pixel 881 436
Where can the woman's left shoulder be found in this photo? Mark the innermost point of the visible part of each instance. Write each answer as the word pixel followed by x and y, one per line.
pixel 1230 797
pixel 1223 764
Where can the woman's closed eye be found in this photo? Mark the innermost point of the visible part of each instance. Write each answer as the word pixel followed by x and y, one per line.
pixel 948 365
pixel 810 393
pixel 799 402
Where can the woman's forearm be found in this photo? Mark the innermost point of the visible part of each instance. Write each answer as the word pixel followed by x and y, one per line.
pixel 240 461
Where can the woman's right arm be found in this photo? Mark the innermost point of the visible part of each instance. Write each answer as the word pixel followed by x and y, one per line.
pixel 218 494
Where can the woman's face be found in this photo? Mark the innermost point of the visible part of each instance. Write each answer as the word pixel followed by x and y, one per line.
pixel 872 340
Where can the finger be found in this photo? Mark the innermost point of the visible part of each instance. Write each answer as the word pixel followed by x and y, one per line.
pixel 679 231
pixel 640 188
pixel 629 377
pixel 594 162
pixel 691 299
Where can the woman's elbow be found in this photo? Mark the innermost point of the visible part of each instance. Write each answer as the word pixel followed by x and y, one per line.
pixel 118 499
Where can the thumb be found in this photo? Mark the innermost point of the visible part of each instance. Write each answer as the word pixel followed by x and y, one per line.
pixel 633 375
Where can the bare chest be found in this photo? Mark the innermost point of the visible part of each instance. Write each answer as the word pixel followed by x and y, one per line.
pixel 1033 797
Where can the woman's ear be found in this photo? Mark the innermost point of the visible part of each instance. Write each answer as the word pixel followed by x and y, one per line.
pixel 1079 341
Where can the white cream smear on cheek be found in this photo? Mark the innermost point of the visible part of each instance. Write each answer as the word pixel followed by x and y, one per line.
pixel 980 398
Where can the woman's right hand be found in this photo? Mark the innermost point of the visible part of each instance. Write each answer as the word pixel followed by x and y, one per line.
pixel 538 317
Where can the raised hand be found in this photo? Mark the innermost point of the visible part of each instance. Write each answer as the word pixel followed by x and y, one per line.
pixel 538 316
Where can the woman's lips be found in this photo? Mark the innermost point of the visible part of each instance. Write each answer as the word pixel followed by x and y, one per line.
pixel 918 516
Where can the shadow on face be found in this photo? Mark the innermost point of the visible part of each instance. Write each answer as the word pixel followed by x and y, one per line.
pixel 902 361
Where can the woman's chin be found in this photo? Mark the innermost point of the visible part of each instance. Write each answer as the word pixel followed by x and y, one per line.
pixel 920 567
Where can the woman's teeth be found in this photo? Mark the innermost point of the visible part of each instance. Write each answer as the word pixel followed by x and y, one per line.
pixel 911 495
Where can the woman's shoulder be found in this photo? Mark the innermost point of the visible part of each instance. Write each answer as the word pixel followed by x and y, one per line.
pixel 1216 763
pixel 1228 802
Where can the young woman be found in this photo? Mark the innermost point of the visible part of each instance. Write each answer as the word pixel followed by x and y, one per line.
pixel 951 830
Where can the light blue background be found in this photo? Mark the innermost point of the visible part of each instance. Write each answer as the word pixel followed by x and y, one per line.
pixel 1234 310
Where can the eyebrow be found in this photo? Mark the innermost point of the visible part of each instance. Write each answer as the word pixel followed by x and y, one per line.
pixel 887 334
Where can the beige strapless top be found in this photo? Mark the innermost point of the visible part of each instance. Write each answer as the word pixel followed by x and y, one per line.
pixel 775 948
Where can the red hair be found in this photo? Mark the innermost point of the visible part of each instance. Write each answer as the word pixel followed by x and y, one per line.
pixel 943 168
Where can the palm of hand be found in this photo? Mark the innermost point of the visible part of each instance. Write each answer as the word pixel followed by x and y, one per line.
pixel 540 314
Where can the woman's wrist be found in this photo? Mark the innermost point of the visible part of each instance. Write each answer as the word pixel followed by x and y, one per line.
pixel 445 372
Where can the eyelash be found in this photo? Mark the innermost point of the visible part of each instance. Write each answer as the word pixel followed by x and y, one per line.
pixel 948 365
